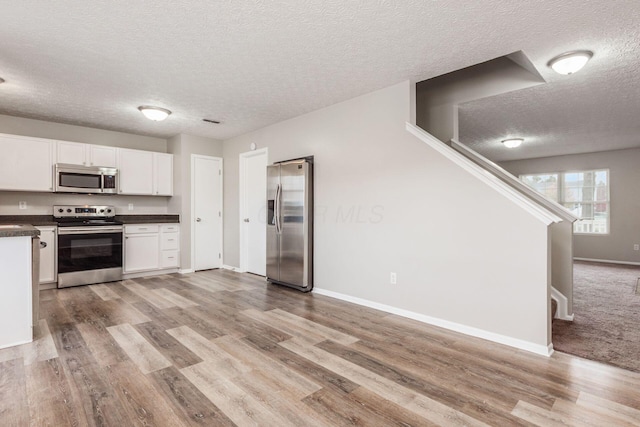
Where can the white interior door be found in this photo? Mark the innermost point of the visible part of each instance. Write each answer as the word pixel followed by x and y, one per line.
pixel 253 215
pixel 206 212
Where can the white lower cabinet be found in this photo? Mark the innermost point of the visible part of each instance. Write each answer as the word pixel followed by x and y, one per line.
pixel 149 247
pixel 48 242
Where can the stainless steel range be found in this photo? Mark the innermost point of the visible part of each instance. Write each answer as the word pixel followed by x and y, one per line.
pixel 89 245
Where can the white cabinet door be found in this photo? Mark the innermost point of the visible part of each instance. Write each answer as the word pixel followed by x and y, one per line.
pixel 47 254
pixel 72 153
pixel 26 164
pixel 163 174
pixel 141 252
pixel 99 155
pixel 135 171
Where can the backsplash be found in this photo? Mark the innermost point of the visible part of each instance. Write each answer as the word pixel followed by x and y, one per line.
pixel 42 203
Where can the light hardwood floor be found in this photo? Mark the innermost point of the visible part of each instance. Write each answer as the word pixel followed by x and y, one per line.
pixel 217 348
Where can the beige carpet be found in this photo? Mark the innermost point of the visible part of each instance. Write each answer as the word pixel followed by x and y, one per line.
pixel 606 327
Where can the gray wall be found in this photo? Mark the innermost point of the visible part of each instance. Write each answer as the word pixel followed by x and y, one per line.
pixel 386 202
pixel 437 99
pixel 624 193
pixel 41 129
pixel 182 147
pixel 42 203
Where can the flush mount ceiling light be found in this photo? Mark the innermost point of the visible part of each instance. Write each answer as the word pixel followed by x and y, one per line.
pixel 513 142
pixel 156 114
pixel 570 62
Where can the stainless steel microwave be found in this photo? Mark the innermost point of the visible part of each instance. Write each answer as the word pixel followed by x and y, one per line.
pixel 86 179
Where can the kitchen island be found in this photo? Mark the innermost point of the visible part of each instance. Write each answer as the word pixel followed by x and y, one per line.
pixel 17 284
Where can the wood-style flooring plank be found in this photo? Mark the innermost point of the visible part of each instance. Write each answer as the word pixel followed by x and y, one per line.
pixel 148 295
pixel 50 400
pixel 538 416
pixel 270 394
pixel 607 407
pixel 313 327
pixel 241 408
pixel 179 355
pixel 426 407
pixel 88 388
pixel 295 359
pixel 143 354
pixel 14 405
pixel 318 374
pixel 195 408
pixel 286 327
pixel 143 403
pixel 289 382
pixel 101 344
pixel 104 291
pixel 178 300
pixel 225 364
pixel 194 320
pixel 580 415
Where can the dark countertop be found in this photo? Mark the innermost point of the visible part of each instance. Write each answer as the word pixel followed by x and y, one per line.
pixel 149 219
pixel 37 220
pixel 23 230
pixel 49 220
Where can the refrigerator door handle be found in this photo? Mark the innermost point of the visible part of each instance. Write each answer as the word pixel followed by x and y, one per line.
pixel 277 209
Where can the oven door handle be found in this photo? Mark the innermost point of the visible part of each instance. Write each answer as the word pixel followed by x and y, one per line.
pixel 89 230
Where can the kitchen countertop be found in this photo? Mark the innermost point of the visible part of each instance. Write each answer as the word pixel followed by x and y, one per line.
pixel 49 220
pixel 148 219
pixel 37 220
pixel 20 230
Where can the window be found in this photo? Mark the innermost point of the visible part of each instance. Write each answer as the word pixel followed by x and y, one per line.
pixel 584 193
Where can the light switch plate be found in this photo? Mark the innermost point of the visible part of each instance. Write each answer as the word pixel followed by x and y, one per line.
pixel 22 205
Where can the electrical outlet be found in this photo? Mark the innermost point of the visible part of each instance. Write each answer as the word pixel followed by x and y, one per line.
pixel 636 247
pixel 130 206
pixel 22 205
pixel 393 278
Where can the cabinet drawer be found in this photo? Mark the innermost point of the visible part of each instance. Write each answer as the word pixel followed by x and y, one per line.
pixel 170 259
pixel 138 229
pixel 169 241
pixel 170 228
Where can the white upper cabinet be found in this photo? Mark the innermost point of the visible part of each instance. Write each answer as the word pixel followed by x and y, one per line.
pixel 26 164
pixel 99 155
pixel 72 153
pixel 135 172
pixel 163 174
pixel 75 153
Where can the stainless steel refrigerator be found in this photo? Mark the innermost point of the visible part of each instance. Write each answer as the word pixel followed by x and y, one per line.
pixel 290 224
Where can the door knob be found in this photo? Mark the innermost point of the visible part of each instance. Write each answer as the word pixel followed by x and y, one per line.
pixel 198 220
pixel 246 220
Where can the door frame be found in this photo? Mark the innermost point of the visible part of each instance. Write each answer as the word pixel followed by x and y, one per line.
pixel 193 208
pixel 244 244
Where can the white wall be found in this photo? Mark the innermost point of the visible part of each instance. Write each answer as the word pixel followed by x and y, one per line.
pixel 384 201
pixel 182 147
pixel 624 194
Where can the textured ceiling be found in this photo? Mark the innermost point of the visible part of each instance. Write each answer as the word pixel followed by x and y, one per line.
pixel 253 63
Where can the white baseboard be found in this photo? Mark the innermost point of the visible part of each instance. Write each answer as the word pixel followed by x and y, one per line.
pixel 563 305
pixel 607 261
pixel 446 324
pixel 15 344
pixel 186 271
pixel 232 268
pixel 149 273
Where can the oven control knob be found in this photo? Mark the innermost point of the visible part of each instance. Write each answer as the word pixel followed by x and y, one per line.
pixel 108 210
pixel 60 210
pixel 101 210
pixel 69 210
